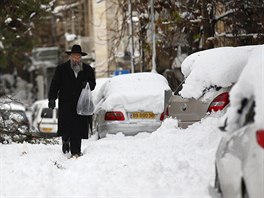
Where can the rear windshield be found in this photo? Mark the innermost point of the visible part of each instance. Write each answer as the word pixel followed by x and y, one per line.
pixel 47 113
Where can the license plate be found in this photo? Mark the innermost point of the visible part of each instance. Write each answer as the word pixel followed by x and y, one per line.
pixel 142 115
pixel 46 130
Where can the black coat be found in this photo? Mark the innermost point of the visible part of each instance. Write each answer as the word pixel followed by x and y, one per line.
pixel 67 88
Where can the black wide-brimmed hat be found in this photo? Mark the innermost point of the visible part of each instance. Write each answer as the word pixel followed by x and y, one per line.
pixel 76 49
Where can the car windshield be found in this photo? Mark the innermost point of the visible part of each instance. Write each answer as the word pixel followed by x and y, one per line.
pixel 205 90
pixel 176 92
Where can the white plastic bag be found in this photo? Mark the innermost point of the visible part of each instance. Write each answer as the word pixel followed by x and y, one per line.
pixel 85 104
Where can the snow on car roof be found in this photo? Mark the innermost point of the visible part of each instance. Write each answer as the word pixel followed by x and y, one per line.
pixel 214 67
pixel 43 103
pixel 249 85
pixel 134 92
pixel 96 93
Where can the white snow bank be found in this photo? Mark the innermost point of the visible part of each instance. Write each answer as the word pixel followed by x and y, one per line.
pixel 214 67
pixel 170 162
pixel 250 84
pixel 133 92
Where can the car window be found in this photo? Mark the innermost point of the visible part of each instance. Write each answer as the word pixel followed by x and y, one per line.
pixel 8 114
pixel 249 117
pixel 46 113
pixel 5 114
pixel 22 114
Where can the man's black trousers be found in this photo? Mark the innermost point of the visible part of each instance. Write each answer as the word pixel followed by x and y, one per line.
pixel 75 144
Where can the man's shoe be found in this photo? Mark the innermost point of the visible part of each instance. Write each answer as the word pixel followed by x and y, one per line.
pixel 77 155
pixel 65 147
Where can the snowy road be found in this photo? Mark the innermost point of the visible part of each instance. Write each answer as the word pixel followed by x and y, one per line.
pixel 167 163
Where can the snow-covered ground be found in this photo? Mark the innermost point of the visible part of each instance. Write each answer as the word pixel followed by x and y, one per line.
pixel 170 162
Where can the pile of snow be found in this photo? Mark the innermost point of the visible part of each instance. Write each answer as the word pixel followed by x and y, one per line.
pixel 249 85
pixel 170 162
pixel 214 67
pixel 133 92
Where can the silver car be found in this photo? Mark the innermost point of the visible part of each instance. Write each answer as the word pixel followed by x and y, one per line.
pixel 130 104
pixel 188 111
pixel 240 158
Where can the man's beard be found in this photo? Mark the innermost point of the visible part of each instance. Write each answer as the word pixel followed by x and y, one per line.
pixel 76 66
pixel 76 63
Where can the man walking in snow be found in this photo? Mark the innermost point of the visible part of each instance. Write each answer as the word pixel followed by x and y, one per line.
pixel 66 85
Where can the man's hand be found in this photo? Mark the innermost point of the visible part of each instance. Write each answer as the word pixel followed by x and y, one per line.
pixel 84 83
pixel 51 104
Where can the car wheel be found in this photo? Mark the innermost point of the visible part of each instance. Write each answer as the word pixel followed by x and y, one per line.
pixel 217 182
pixel 244 191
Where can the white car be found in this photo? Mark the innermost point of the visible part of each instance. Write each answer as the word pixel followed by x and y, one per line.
pixel 240 155
pixel 130 104
pixel 44 120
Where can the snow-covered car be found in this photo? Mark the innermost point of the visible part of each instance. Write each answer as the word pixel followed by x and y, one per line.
pixel 130 104
pixel 209 76
pixel 240 154
pixel 13 117
pixel 44 120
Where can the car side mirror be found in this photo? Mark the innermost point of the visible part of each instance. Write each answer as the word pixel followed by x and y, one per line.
pixel 223 128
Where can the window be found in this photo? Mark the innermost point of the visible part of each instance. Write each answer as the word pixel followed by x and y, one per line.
pixel 249 118
pixel 19 116
pixel 47 113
